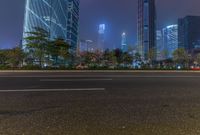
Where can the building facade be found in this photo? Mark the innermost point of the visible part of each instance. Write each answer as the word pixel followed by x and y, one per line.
pixel 189 33
pixel 146 28
pixel 73 23
pixel 101 37
pixel 170 40
pixel 124 45
pixel 52 16
pixel 86 46
pixel 160 46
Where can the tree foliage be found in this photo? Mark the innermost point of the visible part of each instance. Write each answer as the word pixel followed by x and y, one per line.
pixel 197 58
pixel 15 57
pixel 43 50
pixel 180 56
pixel 37 43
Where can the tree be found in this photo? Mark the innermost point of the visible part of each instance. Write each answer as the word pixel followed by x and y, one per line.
pixel 197 58
pixel 137 57
pixel 37 43
pixel 130 48
pixel 15 57
pixel 59 51
pixel 88 58
pixel 165 54
pixel 118 54
pixel 110 58
pixel 180 56
pixel 127 59
pixel 3 57
pixel 99 56
pixel 64 52
pixel 106 55
pixel 151 55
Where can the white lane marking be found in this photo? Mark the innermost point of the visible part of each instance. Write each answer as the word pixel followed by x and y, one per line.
pixel 72 80
pixel 53 90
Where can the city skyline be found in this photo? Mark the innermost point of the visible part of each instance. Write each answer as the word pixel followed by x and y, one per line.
pixel 92 14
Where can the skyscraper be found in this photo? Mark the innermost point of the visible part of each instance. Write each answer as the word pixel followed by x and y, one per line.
pixel 146 28
pixel 101 37
pixel 170 40
pixel 189 33
pixel 124 45
pixel 73 23
pixel 54 17
pixel 160 46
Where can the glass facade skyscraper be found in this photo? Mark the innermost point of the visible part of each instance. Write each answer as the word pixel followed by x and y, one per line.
pixel 189 33
pixel 101 37
pixel 146 27
pixel 54 16
pixel 124 45
pixel 50 15
pixel 73 23
pixel 160 46
pixel 170 39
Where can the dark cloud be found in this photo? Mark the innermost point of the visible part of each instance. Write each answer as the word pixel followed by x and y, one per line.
pixel 119 15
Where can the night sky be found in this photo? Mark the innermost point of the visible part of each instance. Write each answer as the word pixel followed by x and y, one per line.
pixel 118 15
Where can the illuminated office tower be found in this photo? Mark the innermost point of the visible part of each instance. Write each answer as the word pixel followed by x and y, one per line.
pixel 73 23
pixel 101 37
pixel 160 45
pixel 146 28
pixel 54 16
pixel 170 39
pixel 124 46
pixel 50 15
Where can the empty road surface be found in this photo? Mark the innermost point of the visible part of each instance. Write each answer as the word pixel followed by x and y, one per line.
pixel 100 103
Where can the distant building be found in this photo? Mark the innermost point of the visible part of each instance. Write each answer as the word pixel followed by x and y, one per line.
pixel 58 17
pixel 146 28
pixel 86 46
pixel 101 37
pixel 170 40
pixel 124 45
pixel 160 45
pixel 189 33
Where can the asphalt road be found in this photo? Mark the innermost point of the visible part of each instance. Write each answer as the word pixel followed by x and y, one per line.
pixel 135 103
